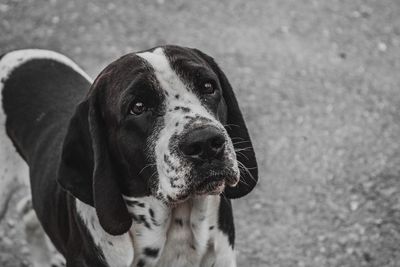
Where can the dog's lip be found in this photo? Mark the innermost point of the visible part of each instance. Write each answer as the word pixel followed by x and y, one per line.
pixel 207 187
pixel 213 184
pixel 229 178
pixel 210 187
pixel 232 181
pixel 179 199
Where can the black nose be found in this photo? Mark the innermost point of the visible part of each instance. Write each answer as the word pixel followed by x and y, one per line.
pixel 203 144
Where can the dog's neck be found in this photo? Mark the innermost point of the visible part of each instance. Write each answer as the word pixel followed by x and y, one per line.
pixel 159 233
pixel 181 229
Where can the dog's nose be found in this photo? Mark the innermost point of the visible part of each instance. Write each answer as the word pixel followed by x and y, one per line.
pixel 203 144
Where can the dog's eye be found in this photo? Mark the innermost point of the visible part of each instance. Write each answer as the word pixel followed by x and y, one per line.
pixel 137 108
pixel 208 88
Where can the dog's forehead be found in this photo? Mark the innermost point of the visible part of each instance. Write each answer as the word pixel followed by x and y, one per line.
pixel 171 55
pixel 169 65
pixel 120 73
pixel 161 66
pixel 156 60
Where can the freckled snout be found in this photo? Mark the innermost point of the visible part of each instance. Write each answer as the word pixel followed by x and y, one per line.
pixel 203 145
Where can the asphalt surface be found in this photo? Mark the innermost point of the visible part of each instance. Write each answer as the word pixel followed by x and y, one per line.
pixel 319 85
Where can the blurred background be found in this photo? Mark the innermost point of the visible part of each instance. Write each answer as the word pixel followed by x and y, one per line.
pixel 319 85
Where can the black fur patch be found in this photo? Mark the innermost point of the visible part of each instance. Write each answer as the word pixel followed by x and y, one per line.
pixel 141 219
pixel 179 222
pixel 134 203
pixel 151 212
pixel 169 162
pixel 184 109
pixel 189 117
pixel 153 219
pixel 151 252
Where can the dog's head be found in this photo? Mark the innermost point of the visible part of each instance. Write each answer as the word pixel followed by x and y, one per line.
pixel 163 122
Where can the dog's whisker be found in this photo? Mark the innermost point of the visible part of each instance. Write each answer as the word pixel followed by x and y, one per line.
pixel 243 155
pixel 241 142
pixel 147 166
pixel 154 173
pixel 243 182
pixel 223 194
pixel 243 149
pixel 247 170
pixel 230 125
pixel 237 138
pixel 251 168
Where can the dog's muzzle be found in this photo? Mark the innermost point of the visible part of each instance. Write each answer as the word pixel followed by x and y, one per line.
pixel 203 145
pixel 205 149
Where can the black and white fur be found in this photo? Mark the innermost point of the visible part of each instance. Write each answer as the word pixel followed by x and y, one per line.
pixel 112 189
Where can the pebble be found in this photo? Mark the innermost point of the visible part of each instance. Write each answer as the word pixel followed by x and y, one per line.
pixel 257 206
pixel 11 223
pixel 25 250
pixel 7 242
pixel 55 19
pixel 25 263
pixel 354 205
pixel 284 29
pixel 4 8
pixel 382 46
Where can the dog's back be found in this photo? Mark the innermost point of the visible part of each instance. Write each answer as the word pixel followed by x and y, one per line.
pixel 40 90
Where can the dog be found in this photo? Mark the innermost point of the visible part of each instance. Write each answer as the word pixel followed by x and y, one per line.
pixel 135 168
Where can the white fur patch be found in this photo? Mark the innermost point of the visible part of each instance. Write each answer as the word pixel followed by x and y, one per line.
pixel 151 218
pixel 14 59
pixel 181 234
pixel 117 250
pixel 219 253
pixel 187 244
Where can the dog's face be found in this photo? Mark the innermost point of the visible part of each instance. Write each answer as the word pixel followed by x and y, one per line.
pixel 163 122
pixel 171 104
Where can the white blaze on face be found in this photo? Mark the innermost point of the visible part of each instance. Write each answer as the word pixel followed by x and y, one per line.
pixel 172 171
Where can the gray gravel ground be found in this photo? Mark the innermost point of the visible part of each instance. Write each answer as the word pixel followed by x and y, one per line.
pixel 319 85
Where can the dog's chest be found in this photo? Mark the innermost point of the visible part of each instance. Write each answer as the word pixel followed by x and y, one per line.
pixel 187 237
pixel 160 236
pixel 176 237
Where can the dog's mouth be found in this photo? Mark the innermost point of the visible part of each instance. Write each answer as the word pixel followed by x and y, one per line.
pixel 213 187
pixel 215 183
pixel 212 184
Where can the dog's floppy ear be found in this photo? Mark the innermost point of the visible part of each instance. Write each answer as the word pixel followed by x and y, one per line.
pixel 237 130
pixel 86 169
